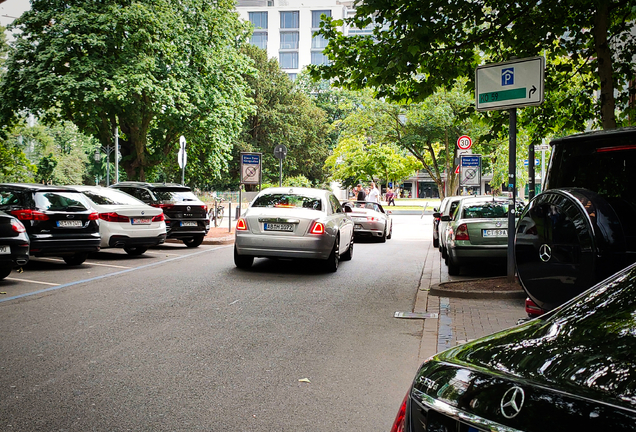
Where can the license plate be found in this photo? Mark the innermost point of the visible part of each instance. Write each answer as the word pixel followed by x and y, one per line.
pixel 141 221
pixel 495 233
pixel 70 223
pixel 357 226
pixel 5 250
pixel 188 223
pixel 278 227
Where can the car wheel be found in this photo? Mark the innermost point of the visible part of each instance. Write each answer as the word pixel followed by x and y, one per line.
pixel 5 271
pixel 383 238
pixel 436 243
pixel 331 265
pixel 135 251
pixel 194 241
pixel 242 261
pixel 453 268
pixel 563 247
pixel 444 253
pixel 349 253
pixel 390 233
pixel 75 259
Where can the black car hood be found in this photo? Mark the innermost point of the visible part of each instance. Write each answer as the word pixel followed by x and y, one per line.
pixel 578 362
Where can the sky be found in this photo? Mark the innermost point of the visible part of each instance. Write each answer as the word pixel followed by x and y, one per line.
pixel 12 9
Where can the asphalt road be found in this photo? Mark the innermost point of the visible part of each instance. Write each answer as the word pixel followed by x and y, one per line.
pixel 181 340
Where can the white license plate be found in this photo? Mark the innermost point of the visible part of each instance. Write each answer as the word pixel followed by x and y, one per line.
pixel 5 250
pixel 495 233
pixel 278 227
pixel 141 221
pixel 188 223
pixel 70 223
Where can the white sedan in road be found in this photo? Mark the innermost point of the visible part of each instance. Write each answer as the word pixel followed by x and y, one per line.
pixel 124 221
pixel 370 219
pixel 290 222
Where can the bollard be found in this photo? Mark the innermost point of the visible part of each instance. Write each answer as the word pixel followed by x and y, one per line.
pixel 229 216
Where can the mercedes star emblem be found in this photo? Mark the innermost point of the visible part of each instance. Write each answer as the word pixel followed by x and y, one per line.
pixel 512 402
pixel 188 208
pixel 545 253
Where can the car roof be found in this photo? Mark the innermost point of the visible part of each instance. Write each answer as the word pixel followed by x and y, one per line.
pixel 36 187
pixel 603 135
pixel 297 190
pixel 171 186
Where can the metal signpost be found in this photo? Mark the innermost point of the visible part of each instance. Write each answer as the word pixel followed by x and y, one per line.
pixel 508 86
pixel 280 152
pixel 182 157
pixel 251 173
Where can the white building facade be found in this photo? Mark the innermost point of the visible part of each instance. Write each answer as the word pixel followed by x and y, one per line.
pixel 287 29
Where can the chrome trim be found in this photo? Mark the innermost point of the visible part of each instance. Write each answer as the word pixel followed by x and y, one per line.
pixel 279 220
pixel 459 415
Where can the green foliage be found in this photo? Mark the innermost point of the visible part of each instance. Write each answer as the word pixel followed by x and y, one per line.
pixel 14 165
pixel 157 69
pixel 296 181
pixel 418 47
pixel 46 166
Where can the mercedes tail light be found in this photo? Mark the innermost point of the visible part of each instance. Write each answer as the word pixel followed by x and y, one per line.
pixel 17 226
pixel 400 419
pixel 29 215
pixel 159 218
pixel 461 233
pixel 113 217
pixel 317 228
pixel 241 224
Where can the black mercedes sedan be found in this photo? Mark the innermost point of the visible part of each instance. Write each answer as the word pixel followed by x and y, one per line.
pixel 573 369
pixel 14 244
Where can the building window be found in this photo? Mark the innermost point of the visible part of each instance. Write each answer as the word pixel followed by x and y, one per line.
pixel 289 20
pixel 288 60
pixel 318 42
pixel 288 40
pixel 259 21
pixel 292 76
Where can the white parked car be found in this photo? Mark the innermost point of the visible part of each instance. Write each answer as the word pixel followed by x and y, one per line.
pixel 370 219
pixel 294 223
pixel 124 221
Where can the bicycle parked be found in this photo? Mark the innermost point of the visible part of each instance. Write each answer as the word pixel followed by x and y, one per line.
pixel 215 214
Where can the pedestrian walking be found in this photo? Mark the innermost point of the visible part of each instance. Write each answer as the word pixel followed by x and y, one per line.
pixel 390 197
pixel 374 194
pixel 360 195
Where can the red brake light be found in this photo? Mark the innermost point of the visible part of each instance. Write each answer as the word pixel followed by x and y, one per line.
pixel 462 233
pixel 93 216
pixel 29 215
pixel 17 226
pixel 113 217
pixel 159 218
pixel 400 418
pixel 163 206
pixel 241 225
pixel 317 228
pixel 372 218
pixel 615 148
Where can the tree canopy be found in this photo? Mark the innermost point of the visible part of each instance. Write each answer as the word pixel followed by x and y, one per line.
pixel 418 47
pixel 156 69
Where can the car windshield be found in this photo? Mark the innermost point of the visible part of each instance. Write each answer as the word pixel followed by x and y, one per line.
pixel 61 201
pixel 168 196
pixel 366 205
pixel 288 200
pixel 489 209
pixel 111 197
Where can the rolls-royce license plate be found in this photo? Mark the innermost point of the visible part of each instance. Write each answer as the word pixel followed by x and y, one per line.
pixel 278 227
pixel 495 233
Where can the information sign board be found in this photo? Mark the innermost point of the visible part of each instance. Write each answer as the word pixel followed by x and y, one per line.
pixel 470 170
pixel 250 168
pixel 512 84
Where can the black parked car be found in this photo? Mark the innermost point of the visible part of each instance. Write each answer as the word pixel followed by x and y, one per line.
pixel 571 369
pixel 14 244
pixel 58 220
pixel 578 231
pixel 186 216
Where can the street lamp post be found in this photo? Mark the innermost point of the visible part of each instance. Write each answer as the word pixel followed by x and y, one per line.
pixel 97 156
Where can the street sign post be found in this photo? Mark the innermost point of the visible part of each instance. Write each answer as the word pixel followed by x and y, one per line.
pixel 511 84
pixel 280 152
pixel 182 157
pixel 251 168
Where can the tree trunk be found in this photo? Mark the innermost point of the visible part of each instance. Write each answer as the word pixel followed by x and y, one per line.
pixel 605 68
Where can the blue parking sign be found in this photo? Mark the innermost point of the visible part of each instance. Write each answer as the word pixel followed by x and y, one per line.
pixel 507 76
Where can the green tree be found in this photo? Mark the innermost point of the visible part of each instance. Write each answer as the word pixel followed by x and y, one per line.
pixel 418 47
pixel 156 69
pixel 283 115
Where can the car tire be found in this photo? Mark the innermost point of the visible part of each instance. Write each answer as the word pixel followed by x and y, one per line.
pixel 5 270
pixel 444 253
pixel 242 261
pixel 453 268
pixel 567 240
pixel 135 251
pixel 384 234
pixel 349 253
pixel 436 243
pixel 75 259
pixel 331 265
pixel 194 241
pixel 390 233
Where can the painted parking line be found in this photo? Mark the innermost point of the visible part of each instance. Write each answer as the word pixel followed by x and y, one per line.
pixel 161 253
pixel 31 281
pixel 89 262
pixel 128 270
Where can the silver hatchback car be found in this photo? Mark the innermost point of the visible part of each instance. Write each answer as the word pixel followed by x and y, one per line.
pixel 294 223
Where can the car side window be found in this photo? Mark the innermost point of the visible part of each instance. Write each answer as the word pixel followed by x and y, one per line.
pixel 335 204
pixel 9 198
pixel 453 207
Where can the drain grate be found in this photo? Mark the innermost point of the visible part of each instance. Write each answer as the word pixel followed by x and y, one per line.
pixel 415 315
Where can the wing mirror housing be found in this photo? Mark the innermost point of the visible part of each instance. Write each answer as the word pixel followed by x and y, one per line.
pixel 437 214
pixel 446 219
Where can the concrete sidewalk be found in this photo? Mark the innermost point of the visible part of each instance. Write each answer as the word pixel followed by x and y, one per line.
pixel 459 320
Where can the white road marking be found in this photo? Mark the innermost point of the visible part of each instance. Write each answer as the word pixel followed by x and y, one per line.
pixel 31 281
pixel 88 262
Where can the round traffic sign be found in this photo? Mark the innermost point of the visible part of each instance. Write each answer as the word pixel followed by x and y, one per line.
pixel 464 142
pixel 280 151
